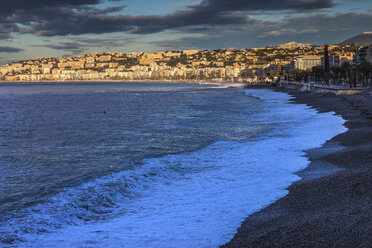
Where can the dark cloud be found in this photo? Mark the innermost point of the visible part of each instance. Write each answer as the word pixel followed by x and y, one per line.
pixel 75 17
pixel 10 7
pixel 241 5
pixel 6 49
pixel 307 29
pixel 78 45
pixel 181 43
pixel 25 12
pixel 64 46
pixel 6 29
pixel 66 21
pixel 113 41
pixel 327 27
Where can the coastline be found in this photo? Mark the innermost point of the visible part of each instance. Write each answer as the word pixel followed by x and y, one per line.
pixel 332 205
pixel 123 81
pixel 224 82
pixel 220 84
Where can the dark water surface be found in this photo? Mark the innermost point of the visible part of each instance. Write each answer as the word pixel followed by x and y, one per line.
pixel 64 136
pixel 75 154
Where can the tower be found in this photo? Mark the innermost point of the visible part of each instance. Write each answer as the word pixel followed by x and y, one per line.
pixel 326 59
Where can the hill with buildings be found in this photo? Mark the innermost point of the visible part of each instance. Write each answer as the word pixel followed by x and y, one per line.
pixel 220 65
pixel 293 44
pixel 359 40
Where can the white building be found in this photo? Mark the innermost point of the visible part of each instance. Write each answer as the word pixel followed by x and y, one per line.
pixel 307 62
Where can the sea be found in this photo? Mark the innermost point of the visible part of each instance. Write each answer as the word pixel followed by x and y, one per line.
pixel 100 164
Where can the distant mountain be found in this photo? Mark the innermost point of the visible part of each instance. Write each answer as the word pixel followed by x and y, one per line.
pixel 293 44
pixel 359 40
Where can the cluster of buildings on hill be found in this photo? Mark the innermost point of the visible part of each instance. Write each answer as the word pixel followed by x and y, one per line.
pixel 226 64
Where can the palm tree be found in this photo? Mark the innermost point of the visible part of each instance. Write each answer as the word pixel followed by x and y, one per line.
pixel 366 70
pixel 347 70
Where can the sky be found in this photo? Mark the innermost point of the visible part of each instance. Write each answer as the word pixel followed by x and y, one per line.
pixel 55 28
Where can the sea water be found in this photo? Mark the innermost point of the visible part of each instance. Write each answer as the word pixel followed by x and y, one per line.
pixel 146 164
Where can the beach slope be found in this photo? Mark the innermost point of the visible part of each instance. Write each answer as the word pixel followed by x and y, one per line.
pixel 332 205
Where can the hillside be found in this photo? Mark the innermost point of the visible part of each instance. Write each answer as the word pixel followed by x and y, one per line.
pixel 360 39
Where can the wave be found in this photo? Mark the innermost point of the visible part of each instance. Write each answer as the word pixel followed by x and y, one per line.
pixel 195 199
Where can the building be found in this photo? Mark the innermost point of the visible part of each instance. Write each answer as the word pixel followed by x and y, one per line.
pixel 307 62
pixel 334 61
pixel 346 57
pixel 190 52
pixel 363 55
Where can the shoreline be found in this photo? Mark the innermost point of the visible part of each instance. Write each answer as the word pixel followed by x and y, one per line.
pixel 222 84
pixel 125 81
pixel 331 206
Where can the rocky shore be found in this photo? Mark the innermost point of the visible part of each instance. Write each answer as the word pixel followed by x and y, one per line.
pixel 332 205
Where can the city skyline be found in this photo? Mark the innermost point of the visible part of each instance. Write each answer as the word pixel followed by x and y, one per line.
pixel 39 28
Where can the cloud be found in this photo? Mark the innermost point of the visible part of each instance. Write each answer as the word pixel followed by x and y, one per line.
pixel 314 28
pixel 76 17
pixel 64 46
pixel 182 43
pixel 289 31
pixel 19 15
pixel 77 45
pixel 69 22
pixel 6 29
pixel 242 5
pixel 9 8
pixel 114 41
pixel 6 49
pixel 325 23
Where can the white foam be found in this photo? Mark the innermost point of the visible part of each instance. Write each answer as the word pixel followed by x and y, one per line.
pixel 199 199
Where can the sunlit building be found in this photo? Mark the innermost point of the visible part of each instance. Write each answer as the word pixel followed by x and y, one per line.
pixel 307 62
